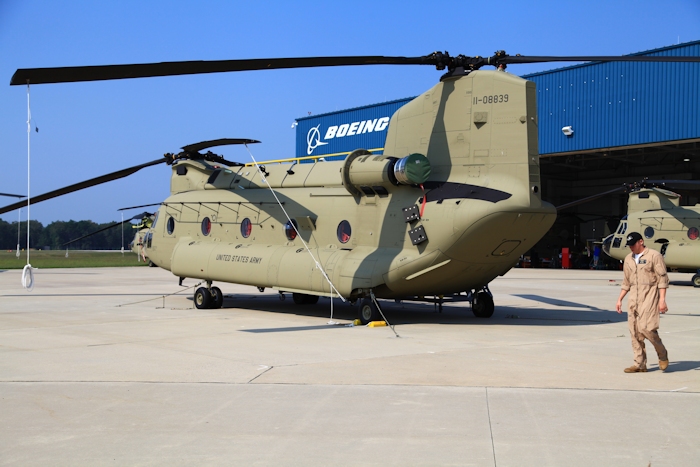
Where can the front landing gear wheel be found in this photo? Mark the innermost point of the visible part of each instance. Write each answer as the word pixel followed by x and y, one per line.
pixel 202 298
pixel 482 305
pixel 217 297
pixel 368 311
pixel 696 280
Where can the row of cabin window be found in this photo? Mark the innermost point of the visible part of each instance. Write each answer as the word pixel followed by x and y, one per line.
pixel 291 229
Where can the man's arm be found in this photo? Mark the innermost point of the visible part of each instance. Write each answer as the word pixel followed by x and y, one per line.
pixel 623 292
pixel 663 308
pixel 662 281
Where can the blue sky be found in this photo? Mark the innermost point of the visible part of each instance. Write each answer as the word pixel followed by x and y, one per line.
pixel 88 129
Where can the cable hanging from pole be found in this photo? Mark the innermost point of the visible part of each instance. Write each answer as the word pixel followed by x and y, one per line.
pixel 27 273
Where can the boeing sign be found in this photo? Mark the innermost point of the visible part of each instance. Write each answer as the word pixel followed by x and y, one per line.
pixel 313 137
pixel 337 134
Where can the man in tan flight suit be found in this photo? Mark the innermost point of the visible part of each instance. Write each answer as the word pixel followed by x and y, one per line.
pixel 646 281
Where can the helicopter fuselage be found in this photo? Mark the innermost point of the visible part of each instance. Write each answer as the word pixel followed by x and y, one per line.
pixel 667 227
pixel 476 213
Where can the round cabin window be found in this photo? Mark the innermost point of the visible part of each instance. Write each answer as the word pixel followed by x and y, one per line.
pixel 344 231
pixel 290 229
pixel 171 225
pixel 693 233
pixel 649 232
pixel 246 228
pixel 206 226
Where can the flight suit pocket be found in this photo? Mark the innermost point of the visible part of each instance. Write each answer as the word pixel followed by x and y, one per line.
pixel 645 273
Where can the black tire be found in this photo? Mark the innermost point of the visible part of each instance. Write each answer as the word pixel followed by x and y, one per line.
pixel 202 298
pixel 696 280
pixel 151 264
pixel 217 297
pixel 304 299
pixel 298 298
pixel 367 311
pixel 483 306
pixel 311 299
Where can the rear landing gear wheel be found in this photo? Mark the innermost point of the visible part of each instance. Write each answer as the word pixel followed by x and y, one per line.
pixel 696 280
pixel 202 298
pixel 304 299
pixel 217 297
pixel 368 311
pixel 482 305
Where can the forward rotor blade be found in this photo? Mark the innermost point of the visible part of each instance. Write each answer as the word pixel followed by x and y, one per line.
pixel 217 142
pixel 142 206
pixel 590 198
pixel 111 226
pixel 13 196
pixel 79 186
pixel 146 70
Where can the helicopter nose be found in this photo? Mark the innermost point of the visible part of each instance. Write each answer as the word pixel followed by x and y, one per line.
pixel 607 242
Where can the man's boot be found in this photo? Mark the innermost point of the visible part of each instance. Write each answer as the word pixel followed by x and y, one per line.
pixel 636 369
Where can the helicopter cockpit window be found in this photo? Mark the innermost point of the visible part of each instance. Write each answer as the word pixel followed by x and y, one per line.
pixel 617 242
pixel 206 226
pixel 693 233
pixel 649 232
pixel 344 231
pixel 246 228
pixel 171 225
pixel 290 229
pixel 155 219
pixel 622 229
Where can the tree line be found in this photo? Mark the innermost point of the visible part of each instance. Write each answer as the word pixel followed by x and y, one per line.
pixel 57 233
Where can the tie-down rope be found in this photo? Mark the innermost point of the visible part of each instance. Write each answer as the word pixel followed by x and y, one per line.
pixel 318 264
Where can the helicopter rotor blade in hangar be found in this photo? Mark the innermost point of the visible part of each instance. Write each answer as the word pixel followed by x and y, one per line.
pixel 634 186
pixel 438 59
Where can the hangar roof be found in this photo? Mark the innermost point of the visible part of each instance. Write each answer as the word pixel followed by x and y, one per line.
pixel 619 104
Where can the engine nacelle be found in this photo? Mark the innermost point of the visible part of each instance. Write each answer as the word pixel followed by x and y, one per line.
pixel 367 174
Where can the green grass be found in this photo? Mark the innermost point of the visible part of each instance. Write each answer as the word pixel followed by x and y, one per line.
pixel 75 259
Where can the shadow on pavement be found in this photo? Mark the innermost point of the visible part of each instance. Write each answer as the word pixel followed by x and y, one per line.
pixel 406 313
pixel 674 367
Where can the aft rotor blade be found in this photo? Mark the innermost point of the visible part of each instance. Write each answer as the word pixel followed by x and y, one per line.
pixel 675 184
pixel 13 196
pixel 515 59
pixel 142 206
pixel 82 185
pixel 146 70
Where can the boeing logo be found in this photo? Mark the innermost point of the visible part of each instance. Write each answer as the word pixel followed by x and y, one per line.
pixel 313 137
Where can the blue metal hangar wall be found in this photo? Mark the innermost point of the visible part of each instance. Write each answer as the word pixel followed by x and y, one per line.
pixel 600 125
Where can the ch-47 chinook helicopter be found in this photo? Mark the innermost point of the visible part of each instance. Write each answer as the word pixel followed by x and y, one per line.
pixel 142 228
pixel 666 226
pixel 451 204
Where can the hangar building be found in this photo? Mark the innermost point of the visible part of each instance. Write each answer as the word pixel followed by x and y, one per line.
pixel 601 124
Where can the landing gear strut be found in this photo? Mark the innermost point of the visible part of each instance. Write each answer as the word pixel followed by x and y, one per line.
pixel 482 303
